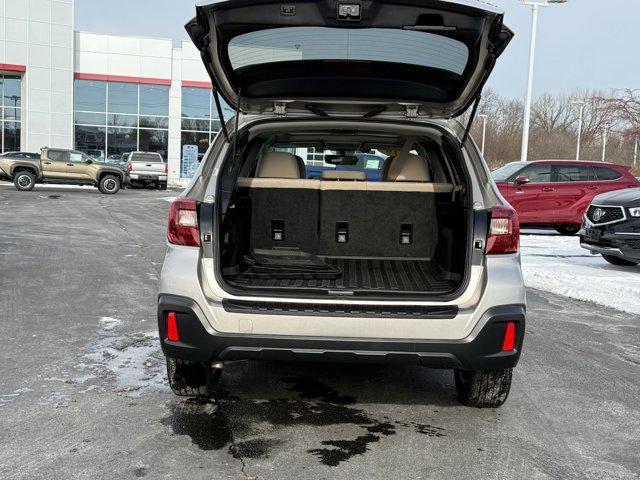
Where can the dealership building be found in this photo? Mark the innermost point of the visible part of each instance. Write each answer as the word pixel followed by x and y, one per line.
pixel 101 94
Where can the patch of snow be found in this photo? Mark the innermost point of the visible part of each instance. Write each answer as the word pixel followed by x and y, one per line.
pixel 169 199
pixel 107 323
pixel 56 400
pixel 133 362
pixel 558 264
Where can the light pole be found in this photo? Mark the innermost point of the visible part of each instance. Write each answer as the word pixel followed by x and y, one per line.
pixel 484 130
pixel 581 104
pixel 604 140
pixel 535 7
pixel 635 154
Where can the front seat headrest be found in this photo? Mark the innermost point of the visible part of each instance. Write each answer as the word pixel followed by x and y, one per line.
pixel 406 167
pixel 280 165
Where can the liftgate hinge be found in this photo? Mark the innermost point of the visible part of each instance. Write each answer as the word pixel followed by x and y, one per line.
pixel 411 111
pixel 279 108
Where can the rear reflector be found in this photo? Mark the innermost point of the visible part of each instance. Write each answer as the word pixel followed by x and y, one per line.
pixel 509 341
pixel 504 231
pixel 172 327
pixel 183 223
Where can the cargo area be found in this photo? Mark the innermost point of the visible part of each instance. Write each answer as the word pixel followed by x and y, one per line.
pixel 376 214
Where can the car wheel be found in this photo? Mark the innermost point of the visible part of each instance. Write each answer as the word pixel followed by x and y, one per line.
pixel 192 379
pixel 24 181
pixel 619 261
pixel 109 184
pixel 567 229
pixel 163 186
pixel 483 389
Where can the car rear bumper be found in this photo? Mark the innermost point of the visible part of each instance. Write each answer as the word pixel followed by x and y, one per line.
pixel 481 350
pixel 148 177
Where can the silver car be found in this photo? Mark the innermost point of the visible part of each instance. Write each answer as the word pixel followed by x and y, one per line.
pixel 419 267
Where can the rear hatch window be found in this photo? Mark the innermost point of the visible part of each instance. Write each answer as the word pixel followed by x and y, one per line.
pixel 146 157
pixel 291 44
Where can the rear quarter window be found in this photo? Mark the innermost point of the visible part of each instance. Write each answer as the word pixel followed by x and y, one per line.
pixel 604 173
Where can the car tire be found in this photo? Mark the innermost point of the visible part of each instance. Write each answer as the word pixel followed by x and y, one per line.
pixel 109 184
pixel 24 180
pixel 192 379
pixel 483 389
pixel 567 229
pixel 619 261
pixel 163 186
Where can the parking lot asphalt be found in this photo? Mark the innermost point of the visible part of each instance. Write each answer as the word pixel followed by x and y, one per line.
pixel 83 392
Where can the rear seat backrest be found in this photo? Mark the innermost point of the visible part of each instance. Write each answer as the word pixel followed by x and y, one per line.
pixel 340 175
pixel 406 167
pixel 283 202
pixel 280 165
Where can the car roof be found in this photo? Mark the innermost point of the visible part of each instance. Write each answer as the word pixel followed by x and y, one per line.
pixel 589 163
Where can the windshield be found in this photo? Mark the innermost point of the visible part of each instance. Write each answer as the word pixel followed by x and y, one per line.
pixel 367 44
pixel 502 173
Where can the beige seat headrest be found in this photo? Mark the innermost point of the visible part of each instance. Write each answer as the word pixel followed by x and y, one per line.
pixel 280 165
pixel 406 167
pixel 343 175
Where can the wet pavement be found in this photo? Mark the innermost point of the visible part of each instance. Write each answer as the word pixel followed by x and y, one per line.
pixel 83 391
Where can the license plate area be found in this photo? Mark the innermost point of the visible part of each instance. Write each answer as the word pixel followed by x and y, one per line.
pixel 592 234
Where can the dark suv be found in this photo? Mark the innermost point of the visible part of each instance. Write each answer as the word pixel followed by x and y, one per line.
pixel 612 227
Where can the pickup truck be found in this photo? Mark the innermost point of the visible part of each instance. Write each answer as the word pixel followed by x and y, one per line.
pixel 147 168
pixel 370 164
pixel 56 165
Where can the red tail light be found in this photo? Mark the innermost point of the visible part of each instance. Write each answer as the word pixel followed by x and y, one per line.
pixel 166 168
pixel 129 168
pixel 509 341
pixel 183 223
pixel 172 327
pixel 504 231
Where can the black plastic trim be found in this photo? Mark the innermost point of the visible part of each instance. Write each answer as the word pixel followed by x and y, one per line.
pixel 479 351
pixel 339 310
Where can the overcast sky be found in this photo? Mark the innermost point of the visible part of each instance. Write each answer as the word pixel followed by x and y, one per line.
pixel 582 44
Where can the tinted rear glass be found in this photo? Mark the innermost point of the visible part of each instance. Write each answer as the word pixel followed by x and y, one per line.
pixel 571 173
pixel 146 157
pixel 607 173
pixel 367 44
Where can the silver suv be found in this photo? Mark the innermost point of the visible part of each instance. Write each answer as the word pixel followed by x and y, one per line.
pixel 281 248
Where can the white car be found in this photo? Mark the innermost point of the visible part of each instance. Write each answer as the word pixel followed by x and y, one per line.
pixel 421 267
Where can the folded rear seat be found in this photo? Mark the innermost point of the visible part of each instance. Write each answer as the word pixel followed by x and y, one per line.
pixel 284 204
pixel 392 218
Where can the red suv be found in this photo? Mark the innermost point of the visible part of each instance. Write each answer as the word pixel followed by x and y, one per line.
pixel 558 192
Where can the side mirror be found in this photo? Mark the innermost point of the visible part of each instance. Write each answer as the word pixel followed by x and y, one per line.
pixel 89 160
pixel 521 180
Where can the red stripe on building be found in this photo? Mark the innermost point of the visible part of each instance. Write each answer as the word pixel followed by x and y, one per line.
pixel 121 78
pixel 12 67
pixel 196 84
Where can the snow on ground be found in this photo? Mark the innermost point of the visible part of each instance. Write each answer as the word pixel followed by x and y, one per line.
pixel 558 264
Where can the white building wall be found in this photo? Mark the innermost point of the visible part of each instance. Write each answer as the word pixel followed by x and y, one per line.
pixel 175 120
pixel 38 34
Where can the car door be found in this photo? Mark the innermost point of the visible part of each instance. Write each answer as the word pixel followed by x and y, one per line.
pixel 366 58
pixel 533 199
pixel 54 165
pixel 575 186
pixel 79 165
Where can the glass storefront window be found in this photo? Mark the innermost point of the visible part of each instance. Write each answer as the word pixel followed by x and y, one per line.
pixel 90 96
pixel 200 124
pixel 90 138
pixel 196 103
pixel 10 112
pixel 154 141
pixel 124 117
pixel 121 140
pixel 154 100
pixel 122 98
